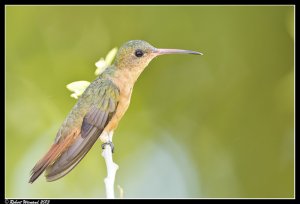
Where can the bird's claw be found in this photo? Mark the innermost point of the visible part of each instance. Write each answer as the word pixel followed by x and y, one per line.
pixel 110 144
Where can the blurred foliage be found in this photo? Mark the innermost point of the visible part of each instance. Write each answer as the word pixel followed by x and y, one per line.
pixel 78 87
pixel 102 64
pixel 218 125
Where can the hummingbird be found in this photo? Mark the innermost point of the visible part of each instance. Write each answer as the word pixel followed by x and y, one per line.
pixel 98 110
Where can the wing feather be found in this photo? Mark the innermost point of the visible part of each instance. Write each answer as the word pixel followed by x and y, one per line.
pixel 64 155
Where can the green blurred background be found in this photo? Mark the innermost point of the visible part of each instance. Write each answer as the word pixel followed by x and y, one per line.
pixel 218 125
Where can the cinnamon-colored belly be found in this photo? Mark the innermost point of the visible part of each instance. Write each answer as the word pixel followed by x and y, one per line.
pixel 122 107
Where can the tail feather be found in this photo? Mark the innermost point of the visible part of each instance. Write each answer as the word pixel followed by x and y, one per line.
pixel 70 158
pixel 51 156
pixel 63 157
pixel 42 164
pixel 51 176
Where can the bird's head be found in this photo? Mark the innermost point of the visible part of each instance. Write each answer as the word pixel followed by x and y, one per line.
pixel 138 53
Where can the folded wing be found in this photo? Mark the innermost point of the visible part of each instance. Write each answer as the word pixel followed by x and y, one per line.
pixel 65 155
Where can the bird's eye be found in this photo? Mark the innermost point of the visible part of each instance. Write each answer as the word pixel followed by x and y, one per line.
pixel 139 53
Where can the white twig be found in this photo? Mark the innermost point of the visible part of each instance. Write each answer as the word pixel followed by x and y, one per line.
pixel 111 169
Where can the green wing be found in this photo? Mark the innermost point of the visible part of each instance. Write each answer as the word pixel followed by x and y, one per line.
pixel 94 122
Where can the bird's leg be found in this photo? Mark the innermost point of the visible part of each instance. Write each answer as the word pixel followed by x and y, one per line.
pixel 108 140
pixel 110 144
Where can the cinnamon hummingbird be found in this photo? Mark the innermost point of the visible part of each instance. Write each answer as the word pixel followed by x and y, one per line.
pixel 98 110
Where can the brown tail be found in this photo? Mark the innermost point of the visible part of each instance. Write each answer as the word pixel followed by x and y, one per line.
pixel 63 157
pixel 42 164
pixel 72 156
pixel 51 156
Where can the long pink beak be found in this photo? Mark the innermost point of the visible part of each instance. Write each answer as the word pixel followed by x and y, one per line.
pixel 176 51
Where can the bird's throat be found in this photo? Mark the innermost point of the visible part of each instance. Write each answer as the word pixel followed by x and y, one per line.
pixel 126 78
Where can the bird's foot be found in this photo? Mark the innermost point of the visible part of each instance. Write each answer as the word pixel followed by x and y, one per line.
pixel 110 144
